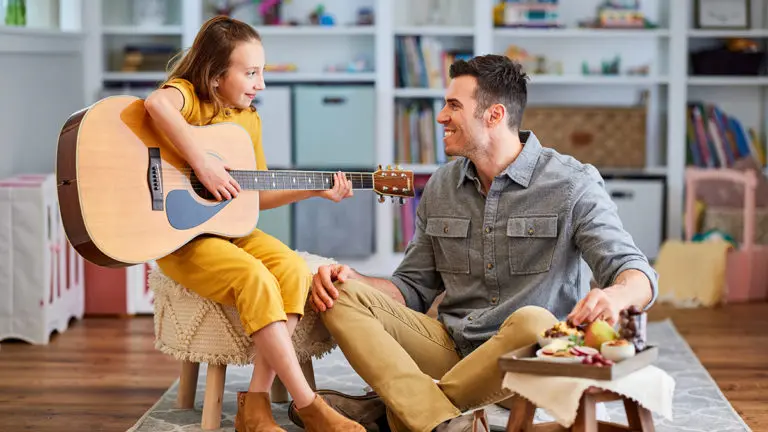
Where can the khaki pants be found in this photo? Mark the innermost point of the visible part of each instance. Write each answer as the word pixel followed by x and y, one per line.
pixel 400 352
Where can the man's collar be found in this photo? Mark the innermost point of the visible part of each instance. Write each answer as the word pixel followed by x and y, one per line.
pixel 520 170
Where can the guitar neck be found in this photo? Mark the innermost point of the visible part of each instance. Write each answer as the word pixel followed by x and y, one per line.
pixel 296 180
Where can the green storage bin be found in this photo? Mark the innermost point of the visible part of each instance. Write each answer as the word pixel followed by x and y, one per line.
pixel 335 126
pixel 277 223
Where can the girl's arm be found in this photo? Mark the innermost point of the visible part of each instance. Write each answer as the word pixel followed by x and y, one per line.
pixel 342 188
pixel 164 106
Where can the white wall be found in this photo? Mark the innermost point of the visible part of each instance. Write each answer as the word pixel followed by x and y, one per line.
pixel 41 84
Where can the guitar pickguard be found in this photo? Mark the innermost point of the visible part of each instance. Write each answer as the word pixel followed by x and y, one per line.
pixel 185 212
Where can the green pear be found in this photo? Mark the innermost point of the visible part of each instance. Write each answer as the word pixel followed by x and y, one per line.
pixel 599 331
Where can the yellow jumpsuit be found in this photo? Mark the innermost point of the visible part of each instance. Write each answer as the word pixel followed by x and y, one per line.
pixel 258 274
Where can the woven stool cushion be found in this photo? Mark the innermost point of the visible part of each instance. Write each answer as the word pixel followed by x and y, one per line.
pixel 192 328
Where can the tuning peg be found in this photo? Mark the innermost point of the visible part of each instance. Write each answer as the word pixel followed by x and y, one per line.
pixel 402 201
pixel 379 167
pixel 381 198
pixel 389 167
pixel 398 168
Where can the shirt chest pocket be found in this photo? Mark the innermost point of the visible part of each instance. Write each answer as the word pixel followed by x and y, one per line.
pixel 532 241
pixel 450 241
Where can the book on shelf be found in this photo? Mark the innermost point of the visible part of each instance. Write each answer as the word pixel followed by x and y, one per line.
pixel 405 215
pixel 418 135
pixel 423 62
pixel 717 140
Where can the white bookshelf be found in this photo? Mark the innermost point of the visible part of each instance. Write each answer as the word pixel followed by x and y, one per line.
pixel 468 24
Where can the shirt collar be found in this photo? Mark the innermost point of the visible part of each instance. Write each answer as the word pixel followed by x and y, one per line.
pixel 520 170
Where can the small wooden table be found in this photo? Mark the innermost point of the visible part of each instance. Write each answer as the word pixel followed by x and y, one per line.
pixel 639 418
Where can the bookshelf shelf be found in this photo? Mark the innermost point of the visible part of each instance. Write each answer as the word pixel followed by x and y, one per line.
pixel 601 80
pixel 586 33
pixel 434 31
pixel 726 81
pixel 134 76
pixel 304 31
pixel 143 30
pixel 751 33
pixel 320 77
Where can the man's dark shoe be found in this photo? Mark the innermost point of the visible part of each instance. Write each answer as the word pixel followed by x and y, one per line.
pixel 368 410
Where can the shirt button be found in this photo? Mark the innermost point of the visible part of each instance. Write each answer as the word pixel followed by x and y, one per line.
pixel 490 266
pixel 445 229
pixel 487 229
pixel 530 231
pixel 469 317
pixel 494 300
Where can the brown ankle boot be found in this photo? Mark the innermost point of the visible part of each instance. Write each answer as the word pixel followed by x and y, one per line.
pixel 319 417
pixel 254 413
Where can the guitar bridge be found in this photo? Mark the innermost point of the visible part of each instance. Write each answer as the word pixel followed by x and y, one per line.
pixel 155 178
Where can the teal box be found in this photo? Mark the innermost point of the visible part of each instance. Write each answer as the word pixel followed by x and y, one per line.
pixel 277 223
pixel 335 126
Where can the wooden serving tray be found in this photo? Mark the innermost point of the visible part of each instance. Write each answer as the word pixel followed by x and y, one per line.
pixel 524 360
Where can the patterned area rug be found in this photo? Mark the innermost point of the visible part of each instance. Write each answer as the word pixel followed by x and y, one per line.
pixel 698 403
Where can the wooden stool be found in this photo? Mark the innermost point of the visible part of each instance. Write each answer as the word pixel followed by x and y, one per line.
pixel 639 418
pixel 196 330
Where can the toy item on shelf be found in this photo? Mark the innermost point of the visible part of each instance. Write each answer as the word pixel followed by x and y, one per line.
pixel 619 14
pixel 280 67
pixel 320 17
pixel 359 64
pixel 529 13
pixel 607 67
pixel 365 16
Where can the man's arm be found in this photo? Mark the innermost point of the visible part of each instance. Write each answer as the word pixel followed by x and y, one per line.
pixel 618 265
pixel 415 284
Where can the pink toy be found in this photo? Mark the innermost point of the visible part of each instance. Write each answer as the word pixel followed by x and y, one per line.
pixel 746 267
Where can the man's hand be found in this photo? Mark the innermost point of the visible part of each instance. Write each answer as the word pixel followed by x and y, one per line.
pixel 323 290
pixel 597 304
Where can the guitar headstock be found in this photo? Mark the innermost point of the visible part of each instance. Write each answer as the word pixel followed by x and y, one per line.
pixel 395 183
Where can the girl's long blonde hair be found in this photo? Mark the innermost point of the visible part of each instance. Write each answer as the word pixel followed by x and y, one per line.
pixel 208 57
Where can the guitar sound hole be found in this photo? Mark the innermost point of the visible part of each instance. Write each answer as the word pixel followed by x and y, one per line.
pixel 200 190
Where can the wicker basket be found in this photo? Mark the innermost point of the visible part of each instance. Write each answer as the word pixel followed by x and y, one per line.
pixel 607 137
pixel 731 222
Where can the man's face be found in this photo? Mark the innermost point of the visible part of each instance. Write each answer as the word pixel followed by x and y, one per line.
pixel 464 133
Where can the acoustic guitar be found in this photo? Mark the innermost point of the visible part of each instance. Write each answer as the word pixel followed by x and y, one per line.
pixel 126 195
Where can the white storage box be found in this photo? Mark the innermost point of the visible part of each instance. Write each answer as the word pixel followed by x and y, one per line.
pixel 640 205
pixel 274 107
pixel 41 275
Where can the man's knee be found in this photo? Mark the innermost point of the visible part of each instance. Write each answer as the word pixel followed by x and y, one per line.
pixel 529 321
pixel 352 295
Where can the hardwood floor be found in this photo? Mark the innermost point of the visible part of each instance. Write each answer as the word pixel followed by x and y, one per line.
pixel 104 373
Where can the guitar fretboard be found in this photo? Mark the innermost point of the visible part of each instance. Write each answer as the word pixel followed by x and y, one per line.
pixel 296 180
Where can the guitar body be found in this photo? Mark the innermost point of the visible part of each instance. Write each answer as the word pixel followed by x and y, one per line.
pixel 125 193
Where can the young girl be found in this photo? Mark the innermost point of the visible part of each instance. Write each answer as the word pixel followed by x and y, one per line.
pixel 268 283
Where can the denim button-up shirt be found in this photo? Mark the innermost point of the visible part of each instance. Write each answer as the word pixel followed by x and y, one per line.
pixel 522 244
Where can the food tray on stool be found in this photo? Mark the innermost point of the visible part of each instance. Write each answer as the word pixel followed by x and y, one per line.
pixel 524 360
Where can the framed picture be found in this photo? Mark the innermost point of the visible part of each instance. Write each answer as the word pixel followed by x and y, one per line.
pixel 722 14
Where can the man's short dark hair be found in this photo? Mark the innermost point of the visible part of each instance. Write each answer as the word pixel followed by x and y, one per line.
pixel 499 80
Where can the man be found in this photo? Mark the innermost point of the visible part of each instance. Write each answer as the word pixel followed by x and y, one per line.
pixel 501 231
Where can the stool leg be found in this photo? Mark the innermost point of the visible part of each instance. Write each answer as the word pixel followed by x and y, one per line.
pixel 638 418
pixel 520 415
pixel 214 393
pixel 586 419
pixel 278 393
pixel 185 399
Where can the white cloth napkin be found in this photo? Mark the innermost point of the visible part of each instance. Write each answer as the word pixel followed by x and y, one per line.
pixel 650 386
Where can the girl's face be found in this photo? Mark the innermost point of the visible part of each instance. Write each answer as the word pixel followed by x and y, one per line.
pixel 245 76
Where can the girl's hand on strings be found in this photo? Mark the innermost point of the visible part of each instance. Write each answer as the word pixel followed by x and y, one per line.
pixel 342 188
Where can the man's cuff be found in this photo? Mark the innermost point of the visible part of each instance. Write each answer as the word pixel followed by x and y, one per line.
pixel 648 271
pixel 412 299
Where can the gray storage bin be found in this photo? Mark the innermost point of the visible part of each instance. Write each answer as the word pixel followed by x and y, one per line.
pixel 339 230
pixel 335 126
pixel 277 223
